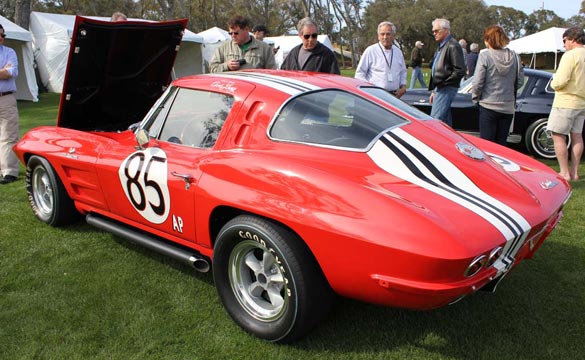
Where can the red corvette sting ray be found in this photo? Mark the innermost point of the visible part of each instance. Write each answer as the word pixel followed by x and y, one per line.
pixel 290 186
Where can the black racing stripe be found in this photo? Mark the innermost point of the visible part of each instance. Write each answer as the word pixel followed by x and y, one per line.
pixel 516 245
pixel 503 216
pixel 281 81
pixel 457 192
pixel 451 189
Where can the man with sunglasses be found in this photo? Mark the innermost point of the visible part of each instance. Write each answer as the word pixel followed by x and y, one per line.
pixel 447 70
pixel 568 108
pixel 310 55
pixel 243 51
pixel 382 64
pixel 8 112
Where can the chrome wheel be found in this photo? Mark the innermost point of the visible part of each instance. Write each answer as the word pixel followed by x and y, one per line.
pixel 543 142
pixel 539 141
pixel 268 280
pixel 47 195
pixel 257 281
pixel 42 191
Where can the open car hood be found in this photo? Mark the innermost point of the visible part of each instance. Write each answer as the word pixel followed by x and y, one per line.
pixel 116 71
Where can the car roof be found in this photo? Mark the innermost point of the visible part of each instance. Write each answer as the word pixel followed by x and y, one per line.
pixel 286 82
pixel 534 72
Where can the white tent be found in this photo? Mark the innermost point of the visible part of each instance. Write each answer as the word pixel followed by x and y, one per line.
pixel 286 42
pixel 20 39
pixel 211 39
pixel 549 40
pixel 189 60
pixel 51 34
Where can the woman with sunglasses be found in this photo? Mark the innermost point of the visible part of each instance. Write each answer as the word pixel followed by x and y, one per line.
pixel 310 55
pixel 8 112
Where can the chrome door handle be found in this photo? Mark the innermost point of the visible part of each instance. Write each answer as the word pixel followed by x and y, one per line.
pixel 187 178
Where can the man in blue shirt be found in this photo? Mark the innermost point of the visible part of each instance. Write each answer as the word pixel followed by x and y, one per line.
pixel 447 70
pixel 8 112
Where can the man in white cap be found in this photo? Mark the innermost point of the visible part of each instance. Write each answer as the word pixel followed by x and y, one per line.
pixel 416 60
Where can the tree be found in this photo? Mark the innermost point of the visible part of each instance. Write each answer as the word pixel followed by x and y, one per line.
pixel 7 8
pixel 543 19
pixel 578 20
pixel 348 17
pixel 22 13
pixel 413 19
pixel 511 20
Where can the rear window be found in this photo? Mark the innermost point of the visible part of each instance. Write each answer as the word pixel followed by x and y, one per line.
pixel 333 118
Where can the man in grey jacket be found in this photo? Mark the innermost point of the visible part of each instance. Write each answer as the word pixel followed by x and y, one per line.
pixel 447 70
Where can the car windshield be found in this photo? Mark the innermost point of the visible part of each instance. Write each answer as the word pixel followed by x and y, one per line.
pixel 333 118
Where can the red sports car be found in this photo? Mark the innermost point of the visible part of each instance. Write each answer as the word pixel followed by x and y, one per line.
pixel 291 186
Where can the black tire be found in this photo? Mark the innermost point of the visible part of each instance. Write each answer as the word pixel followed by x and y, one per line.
pixel 539 141
pixel 268 281
pixel 48 198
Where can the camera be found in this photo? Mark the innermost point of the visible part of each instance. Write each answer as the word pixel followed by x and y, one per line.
pixel 242 61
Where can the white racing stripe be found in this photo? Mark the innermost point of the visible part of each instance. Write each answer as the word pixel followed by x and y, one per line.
pixel 286 85
pixel 404 156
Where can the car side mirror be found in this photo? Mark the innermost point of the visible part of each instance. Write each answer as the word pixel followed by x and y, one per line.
pixel 134 126
pixel 142 138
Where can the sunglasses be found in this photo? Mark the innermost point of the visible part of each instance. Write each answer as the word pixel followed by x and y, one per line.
pixel 233 33
pixel 3 35
pixel 307 36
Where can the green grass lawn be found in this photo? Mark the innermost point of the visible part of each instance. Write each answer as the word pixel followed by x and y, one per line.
pixel 79 293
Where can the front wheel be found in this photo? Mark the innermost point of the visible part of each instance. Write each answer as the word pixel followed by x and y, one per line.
pixel 539 142
pixel 267 279
pixel 47 195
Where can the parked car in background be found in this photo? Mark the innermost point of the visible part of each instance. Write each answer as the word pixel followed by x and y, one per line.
pixel 291 186
pixel 533 105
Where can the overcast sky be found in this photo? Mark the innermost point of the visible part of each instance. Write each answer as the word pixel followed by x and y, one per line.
pixel 563 8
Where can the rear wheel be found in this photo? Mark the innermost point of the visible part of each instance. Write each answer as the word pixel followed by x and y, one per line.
pixel 268 281
pixel 47 195
pixel 538 140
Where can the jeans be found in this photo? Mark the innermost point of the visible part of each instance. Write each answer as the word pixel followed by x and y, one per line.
pixel 417 75
pixel 442 100
pixel 494 126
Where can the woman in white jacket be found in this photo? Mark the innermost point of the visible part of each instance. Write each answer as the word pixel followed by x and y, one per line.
pixel 498 75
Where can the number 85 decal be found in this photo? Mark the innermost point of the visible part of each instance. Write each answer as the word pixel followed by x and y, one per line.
pixel 143 176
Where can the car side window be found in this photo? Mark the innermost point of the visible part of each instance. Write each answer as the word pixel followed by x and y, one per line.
pixel 539 88
pixel 195 118
pixel 333 118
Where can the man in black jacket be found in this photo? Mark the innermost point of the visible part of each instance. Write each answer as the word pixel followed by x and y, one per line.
pixel 448 68
pixel 310 55
pixel 416 60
